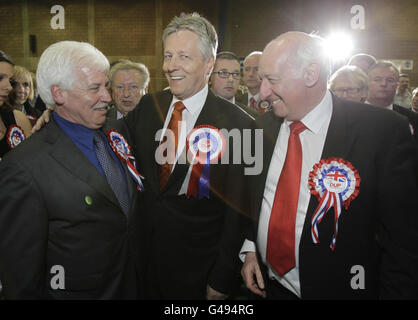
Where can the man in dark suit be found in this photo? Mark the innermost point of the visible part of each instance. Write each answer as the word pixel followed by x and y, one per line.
pixel 335 207
pixel 225 79
pixel 251 80
pixel 128 82
pixel 191 224
pixel 64 224
pixel 383 82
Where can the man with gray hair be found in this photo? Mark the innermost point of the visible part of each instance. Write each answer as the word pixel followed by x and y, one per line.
pixel 251 80
pixel 67 195
pixel 383 82
pixel 129 83
pixel 335 216
pixel 191 223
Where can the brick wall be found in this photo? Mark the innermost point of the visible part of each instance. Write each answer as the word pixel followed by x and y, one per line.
pixel 132 29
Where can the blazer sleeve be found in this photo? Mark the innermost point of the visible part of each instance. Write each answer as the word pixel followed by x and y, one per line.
pixel 398 227
pixel 23 234
pixel 224 276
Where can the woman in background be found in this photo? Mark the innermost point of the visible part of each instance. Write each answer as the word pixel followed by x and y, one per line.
pixel 14 126
pixel 23 93
pixel 349 83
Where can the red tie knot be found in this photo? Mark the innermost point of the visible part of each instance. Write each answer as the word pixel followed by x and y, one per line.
pixel 297 127
pixel 179 106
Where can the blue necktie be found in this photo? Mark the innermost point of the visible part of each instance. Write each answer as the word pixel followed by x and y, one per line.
pixel 112 172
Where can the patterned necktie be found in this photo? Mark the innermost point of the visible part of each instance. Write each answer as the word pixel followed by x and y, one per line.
pixel 252 103
pixel 164 170
pixel 112 172
pixel 281 231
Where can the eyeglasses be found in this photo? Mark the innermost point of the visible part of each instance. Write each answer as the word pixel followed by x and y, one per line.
pixel 225 74
pixel 347 90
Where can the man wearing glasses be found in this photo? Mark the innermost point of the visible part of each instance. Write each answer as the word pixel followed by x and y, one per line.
pixel 225 79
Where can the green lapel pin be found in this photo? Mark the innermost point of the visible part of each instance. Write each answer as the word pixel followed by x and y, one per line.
pixel 88 200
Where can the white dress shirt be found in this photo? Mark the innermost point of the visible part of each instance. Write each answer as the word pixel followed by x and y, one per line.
pixel 312 140
pixel 194 106
pixel 389 107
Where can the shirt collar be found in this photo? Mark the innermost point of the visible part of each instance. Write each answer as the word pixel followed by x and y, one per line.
pixel 194 103
pixel 318 115
pixel 253 96
pixel 75 131
pixel 389 107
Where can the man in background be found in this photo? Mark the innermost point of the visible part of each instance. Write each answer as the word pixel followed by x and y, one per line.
pixel 383 82
pixel 403 95
pixel 129 83
pixel 225 79
pixel 251 80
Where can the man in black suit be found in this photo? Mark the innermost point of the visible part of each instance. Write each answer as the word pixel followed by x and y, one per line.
pixel 335 207
pixel 383 82
pixel 225 79
pixel 64 224
pixel 191 223
pixel 128 82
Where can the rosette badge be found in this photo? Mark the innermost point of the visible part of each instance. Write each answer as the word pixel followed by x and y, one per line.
pixel 15 135
pixel 335 183
pixel 122 149
pixel 205 145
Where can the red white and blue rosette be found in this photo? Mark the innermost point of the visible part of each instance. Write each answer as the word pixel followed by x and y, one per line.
pixel 122 149
pixel 15 135
pixel 205 145
pixel 335 183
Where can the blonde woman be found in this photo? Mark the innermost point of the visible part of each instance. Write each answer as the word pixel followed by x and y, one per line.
pixel 14 126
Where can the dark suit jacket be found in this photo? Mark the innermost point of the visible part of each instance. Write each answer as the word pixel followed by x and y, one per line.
pixel 57 209
pixel 379 229
pixel 412 118
pixel 112 113
pixel 189 242
pixel 242 99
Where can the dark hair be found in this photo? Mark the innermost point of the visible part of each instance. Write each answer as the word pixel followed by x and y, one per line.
pixel 5 58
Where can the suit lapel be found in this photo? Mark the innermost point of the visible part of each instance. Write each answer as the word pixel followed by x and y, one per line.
pixel 338 140
pixel 338 143
pixel 205 117
pixel 161 102
pixel 130 182
pixel 271 127
pixel 77 163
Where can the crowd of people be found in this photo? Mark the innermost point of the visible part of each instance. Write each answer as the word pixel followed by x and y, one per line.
pixel 113 192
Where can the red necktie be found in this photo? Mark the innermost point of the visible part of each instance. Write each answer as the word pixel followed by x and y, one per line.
pixel 252 103
pixel 281 231
pixel 164 170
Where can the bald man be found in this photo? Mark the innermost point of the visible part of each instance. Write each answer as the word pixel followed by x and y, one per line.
pixel 334 208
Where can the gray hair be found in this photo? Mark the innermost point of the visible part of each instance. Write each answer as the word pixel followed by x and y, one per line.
pixel 369 59
pixel 130 65
pixel 254 53
pixel 311 49
pixel 57 66
pixel 200 26
pixel 352 73
pixel 385 64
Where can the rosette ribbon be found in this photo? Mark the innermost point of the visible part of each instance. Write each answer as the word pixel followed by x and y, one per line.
pixel 335 183
pixel 15 135
pixel 205 144
pixel 123 151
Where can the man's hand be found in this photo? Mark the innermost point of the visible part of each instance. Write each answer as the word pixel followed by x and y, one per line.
pixel 212 294
pixel 251 274
pixel 42 120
